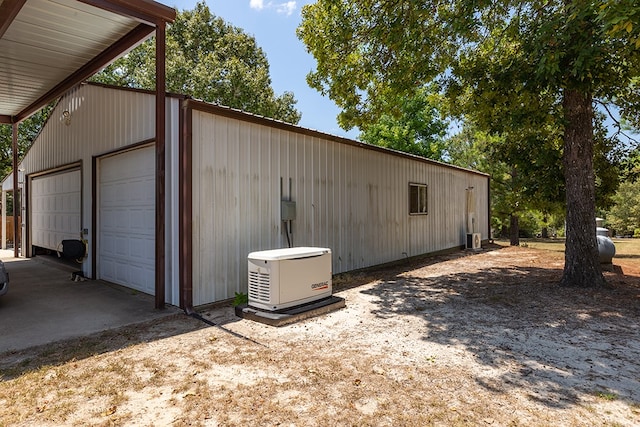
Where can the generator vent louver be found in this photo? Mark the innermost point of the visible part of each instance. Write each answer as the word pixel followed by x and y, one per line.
pixel 259 286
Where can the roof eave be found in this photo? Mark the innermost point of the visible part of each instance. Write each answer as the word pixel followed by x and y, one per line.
pixel 144 10
pixel 9 9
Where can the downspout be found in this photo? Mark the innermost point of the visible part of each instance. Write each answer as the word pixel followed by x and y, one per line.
pixel 185 197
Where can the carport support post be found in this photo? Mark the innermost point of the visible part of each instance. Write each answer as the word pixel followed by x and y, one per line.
pixel 160 161
pixel 14 150
pixel 3 203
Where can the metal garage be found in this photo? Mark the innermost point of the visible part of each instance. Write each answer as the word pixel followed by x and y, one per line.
pixel 88 34
pixel 126 242
pixel 368 204
pixel 227 174
pixel 113 168
pixel 355 198
pixel 56 208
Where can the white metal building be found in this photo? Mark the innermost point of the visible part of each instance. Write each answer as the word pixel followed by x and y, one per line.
pixel 91 174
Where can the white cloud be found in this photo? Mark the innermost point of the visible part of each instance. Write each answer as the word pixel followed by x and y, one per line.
pixel 256 4
pixel 286 8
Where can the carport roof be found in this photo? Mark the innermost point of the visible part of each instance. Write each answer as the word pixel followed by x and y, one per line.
pixel 48 46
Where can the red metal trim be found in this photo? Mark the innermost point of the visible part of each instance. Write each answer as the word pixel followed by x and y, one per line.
pixel 130 147
pixel 90 68
pixel 95 197
pixel 62 168
pixel 133 89
pixel 9 9
pixel 160 163
pixel 146 11
pixel 28 253
pixel 186 211
pixel 252 118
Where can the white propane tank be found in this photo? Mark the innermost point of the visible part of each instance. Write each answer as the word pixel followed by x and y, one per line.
pixel 606 248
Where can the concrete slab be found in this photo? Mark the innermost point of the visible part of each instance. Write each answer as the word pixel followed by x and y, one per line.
pixel 291 315
pixel 44 305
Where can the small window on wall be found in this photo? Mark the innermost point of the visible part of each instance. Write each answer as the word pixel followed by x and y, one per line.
pixel 417 199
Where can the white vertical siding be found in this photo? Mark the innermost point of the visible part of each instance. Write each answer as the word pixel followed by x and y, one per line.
pixel 348 198
pixel 55 208
pixel 101 120
pixel 104 120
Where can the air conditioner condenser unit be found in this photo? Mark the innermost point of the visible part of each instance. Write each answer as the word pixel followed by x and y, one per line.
pixel 284 278
pixel 474 241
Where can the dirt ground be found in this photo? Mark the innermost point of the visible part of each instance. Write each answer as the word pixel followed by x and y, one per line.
pixel 469 338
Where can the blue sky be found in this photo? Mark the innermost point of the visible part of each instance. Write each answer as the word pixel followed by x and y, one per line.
pixel 273 24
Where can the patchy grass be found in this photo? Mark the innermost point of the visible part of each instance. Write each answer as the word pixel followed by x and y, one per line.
pixel 463 339
pixel 627 247
pixel 606 395
pixel 624 247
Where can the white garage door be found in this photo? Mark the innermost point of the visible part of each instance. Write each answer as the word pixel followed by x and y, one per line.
pixel 55 208
pixel 126 242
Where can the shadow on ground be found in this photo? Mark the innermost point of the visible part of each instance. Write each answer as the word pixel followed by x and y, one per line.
pixel 556 343
pixel 16 363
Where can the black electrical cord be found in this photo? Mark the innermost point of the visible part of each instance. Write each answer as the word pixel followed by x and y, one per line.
pixel 210 323
pixel 286 230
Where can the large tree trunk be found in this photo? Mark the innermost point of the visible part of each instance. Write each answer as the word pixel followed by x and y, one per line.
pixel 581 266
pixel 514 230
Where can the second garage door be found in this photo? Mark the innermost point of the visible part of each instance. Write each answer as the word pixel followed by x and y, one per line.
pixel 126 242
pixel 55 208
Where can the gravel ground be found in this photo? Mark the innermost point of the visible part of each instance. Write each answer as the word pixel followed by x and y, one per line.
pixel 469 338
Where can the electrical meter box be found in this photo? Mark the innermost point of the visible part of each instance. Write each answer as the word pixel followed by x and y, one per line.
pixel 288 210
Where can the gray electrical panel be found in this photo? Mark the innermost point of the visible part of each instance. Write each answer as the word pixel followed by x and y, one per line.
pixel 288 210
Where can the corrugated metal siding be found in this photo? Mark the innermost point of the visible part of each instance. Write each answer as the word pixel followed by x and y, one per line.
pixel 350 199
pixel 104 120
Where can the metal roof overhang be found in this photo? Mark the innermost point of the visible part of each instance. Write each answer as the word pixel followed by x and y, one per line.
pixel 49 46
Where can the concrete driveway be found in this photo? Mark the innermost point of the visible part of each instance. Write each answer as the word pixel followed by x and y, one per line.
pixel 44 305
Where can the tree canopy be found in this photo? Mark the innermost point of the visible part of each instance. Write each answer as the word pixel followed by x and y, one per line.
pixel 209 60
pixel 206 58
pixel 624 217
pixel 417 129
pixel 27 131
pixel 530 71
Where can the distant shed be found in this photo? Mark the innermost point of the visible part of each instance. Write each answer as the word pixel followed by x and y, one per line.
pixel 91 171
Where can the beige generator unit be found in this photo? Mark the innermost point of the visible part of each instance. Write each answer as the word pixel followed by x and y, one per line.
pixel 283 278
